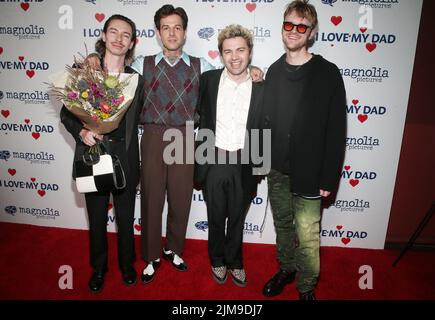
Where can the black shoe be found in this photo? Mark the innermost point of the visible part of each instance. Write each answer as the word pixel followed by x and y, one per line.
pixel 309 295
pixel 129 276
pixel 171 256
pixel 275 285
pixel 149 271
pixel 96 282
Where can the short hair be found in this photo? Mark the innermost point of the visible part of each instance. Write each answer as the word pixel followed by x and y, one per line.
pixel 303 9
pixel 167 10
pixel 100 46
pixel 232 31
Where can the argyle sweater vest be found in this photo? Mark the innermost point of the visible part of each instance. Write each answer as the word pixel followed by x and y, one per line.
pixel 171 93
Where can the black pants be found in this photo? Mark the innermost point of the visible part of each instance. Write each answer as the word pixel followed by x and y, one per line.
pixel 225 197
pixel 97 205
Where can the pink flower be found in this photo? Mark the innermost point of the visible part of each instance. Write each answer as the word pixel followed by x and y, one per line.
pixel 118 101
pixel 72 95
pixel 105 107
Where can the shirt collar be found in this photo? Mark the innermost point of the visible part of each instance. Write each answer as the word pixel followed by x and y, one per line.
pixel 184 57
pixel 226 76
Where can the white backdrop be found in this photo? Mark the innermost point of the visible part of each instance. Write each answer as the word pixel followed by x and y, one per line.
pixel 372 42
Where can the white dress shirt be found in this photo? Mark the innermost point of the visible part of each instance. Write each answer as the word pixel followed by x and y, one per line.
pixel 232 106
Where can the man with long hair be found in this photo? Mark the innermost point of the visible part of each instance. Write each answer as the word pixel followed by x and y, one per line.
pixel 115 47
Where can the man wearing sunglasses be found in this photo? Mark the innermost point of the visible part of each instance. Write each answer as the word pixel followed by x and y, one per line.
pixel 305 103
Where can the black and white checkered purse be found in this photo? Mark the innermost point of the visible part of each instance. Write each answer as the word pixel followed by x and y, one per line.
pixel 99 171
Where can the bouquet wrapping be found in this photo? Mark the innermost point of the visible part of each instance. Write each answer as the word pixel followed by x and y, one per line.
pixel 99 99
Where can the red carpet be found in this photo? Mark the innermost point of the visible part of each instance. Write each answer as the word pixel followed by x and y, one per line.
pixel 31 257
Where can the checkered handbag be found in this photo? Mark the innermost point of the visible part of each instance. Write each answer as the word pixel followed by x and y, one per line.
pixel 99 172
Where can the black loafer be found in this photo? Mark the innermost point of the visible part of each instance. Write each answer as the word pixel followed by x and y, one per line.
pixel 96 282
pixel 129 276
pixel 147 278
pixel 170 257
pixel 275 285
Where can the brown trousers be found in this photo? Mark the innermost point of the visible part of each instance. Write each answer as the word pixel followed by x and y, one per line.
pixel 157 181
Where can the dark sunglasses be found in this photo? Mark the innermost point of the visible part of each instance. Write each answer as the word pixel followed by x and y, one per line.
pixel 301 28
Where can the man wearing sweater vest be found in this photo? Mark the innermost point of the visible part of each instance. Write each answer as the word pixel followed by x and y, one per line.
pixel 171 88
pixel 305 103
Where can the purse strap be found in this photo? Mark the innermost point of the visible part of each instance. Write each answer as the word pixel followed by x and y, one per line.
pixel 92 154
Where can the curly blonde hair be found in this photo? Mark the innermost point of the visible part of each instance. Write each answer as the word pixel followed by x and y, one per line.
pixel 232 31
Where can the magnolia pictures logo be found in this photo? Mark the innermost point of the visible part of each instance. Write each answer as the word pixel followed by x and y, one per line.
pixel 38 213
pixel 375 4
pixel 27 32
pixel 123 2
pixel 42 157
pixel 249 228
pixel 28 97
pixel 370 74
pixel 351 206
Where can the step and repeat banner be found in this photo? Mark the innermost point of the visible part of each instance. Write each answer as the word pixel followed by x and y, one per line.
pixel 371 41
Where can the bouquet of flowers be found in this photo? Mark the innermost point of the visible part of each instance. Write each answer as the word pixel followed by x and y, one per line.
pixel 98 98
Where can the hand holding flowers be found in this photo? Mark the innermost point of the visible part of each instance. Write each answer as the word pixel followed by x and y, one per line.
pixel 98 98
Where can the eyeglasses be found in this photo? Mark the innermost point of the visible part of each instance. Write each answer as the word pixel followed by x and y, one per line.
pixel 301 28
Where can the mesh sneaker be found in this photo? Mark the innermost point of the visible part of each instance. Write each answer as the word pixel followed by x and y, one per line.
pixel 219 274
pixel 239 277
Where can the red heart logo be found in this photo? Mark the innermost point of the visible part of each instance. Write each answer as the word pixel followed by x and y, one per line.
pixel 21 58
pixel 353 182
pixel 36 135
pixel 213 54
pixel 24 6
pixel 346 168
pixel 370 46
pixel 362 117
pixel 251 7
pixel 41 193
pixel 363 30
pixel 137 227
pixel 110 206
pixel 355 102
pixel 336 20
pixel 99 16
pixel 33 179
pixel 345 240
pixel 137 40
pixel 339 227
pixel 5 113
pixel 26 120
pixel 12 172
pixel 30 73
pixel 1 50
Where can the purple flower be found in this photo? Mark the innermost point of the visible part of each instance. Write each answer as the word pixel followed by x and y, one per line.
pixel 72 95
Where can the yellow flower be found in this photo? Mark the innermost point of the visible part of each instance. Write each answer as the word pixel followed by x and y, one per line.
pixel 84 94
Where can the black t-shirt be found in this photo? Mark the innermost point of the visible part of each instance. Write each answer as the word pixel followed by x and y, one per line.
pixel 290 82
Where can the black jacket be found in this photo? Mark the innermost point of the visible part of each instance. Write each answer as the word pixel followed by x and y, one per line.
pixel 123 141
pixel 317 136
pixel 207 101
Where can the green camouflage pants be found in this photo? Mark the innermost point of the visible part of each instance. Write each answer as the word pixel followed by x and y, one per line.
pixel 297 226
